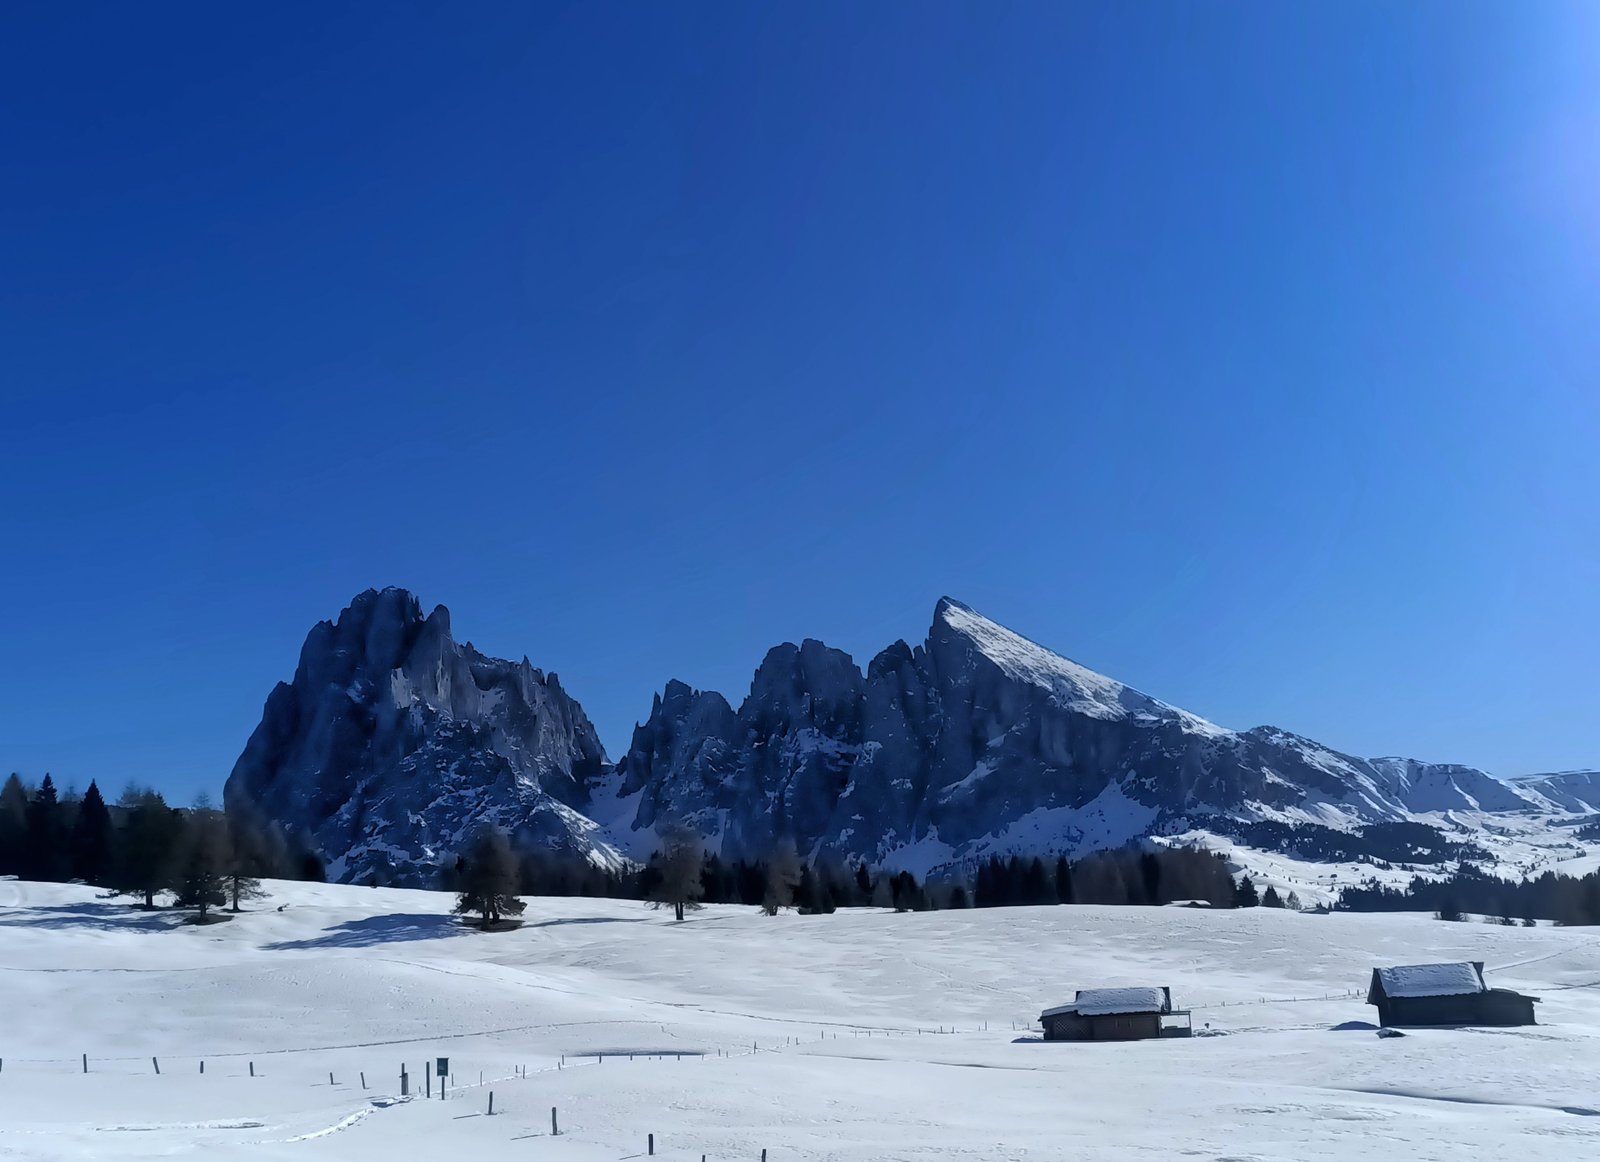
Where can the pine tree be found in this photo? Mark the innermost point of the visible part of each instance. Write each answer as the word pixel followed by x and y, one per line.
pixel 1036 885
pixel 1245 896
pixel 48 856
pixel 1292 902
pixel 242 886
pixel 958 897
pixel 1270 898
pixel 13 827
pixel 205 862
pixel 489 878
pixel 908 894
pixel 147 853
pixel 1065 891
pixel 883 892
pixel 783 876
pixel 91 838
pixel 679 864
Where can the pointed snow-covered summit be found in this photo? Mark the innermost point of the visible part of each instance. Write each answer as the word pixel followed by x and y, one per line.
pixel 1077 686
pixel 981 741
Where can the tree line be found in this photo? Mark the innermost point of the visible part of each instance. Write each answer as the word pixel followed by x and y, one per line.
pixel 683 876
pixel 1563 899
pixel 144 847
pixel 141 846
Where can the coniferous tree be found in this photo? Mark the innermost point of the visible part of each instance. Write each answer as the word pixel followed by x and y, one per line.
pixel 91 838
pixel 242 886
pixel 1036 885
pixel 958 897
pixel 1270 898
pixel 258 850
pixel 1245 896
pixel 204 862
pixel 1150 878
pixel 147 852
pixel 863 884
pixel 883 892
pixel 908 894
pixel 49 858
pixel 13 827
pixel 490 878
pixel 1292 902
pixel 783 877
pixel 1064 887
pixel 679 865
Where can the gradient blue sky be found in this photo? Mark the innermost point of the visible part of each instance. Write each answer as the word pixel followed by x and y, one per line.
pixel 1248 353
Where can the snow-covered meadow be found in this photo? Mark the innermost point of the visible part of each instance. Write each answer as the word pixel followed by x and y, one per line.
pixel 809 1037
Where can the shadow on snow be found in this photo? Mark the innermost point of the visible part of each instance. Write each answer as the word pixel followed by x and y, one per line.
pixel 374 930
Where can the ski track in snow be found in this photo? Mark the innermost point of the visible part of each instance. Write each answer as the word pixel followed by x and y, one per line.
pixel 338 1127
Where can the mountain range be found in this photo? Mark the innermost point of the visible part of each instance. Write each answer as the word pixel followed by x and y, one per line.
pixel 393 741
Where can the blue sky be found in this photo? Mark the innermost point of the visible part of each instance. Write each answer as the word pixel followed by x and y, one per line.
pixel 1246 353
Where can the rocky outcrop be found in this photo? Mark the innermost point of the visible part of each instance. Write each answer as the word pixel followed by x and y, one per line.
pixel 979 740
pixel 394 741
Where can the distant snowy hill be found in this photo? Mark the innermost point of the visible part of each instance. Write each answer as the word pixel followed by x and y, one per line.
pixel 1563 790
pixel 393 742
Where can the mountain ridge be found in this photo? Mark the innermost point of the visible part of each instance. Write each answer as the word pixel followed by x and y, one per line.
pixel 393 740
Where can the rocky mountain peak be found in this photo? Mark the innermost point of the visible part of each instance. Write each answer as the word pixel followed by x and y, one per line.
pixel 393 741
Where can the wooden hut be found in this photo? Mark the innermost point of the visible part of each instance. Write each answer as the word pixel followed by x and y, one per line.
pixel 1445 994
pixel 1115 1014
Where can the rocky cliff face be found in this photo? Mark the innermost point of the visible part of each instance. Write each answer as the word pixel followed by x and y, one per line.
pixel 393 742
pixel 979 740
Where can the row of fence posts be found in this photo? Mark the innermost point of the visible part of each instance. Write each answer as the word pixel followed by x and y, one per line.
pixel 427 1070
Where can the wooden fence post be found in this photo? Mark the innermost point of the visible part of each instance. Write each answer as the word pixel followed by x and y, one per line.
pixel 252 1069
pixel 86 1063
pixel 157 1064
pixel 202 1065
pixel 554 1131
pixel 650 1147
pixel 405 1083
pixel 363 1080
pixel 491 1103
pixel 427 1077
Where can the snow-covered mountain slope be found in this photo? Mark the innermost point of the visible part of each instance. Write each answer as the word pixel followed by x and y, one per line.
pixel 1564 790
pixel 394 741
pixel 981 742
pixel 811 1037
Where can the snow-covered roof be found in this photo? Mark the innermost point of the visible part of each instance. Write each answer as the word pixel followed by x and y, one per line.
pixel 1431 980
pixel 1100 1002
pixel 1108 1002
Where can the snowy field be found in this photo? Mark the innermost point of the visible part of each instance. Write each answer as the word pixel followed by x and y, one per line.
pixel 797 1035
